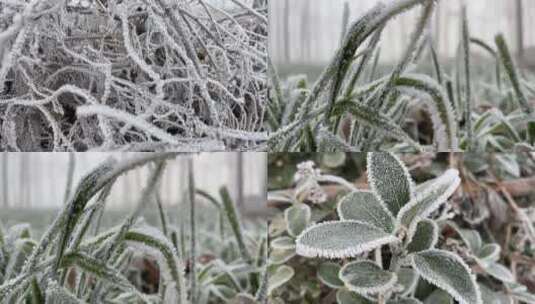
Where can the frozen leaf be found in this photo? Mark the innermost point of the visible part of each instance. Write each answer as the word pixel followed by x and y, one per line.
pixel 430 198
pixel 442 114
pixel 376 120
pixel 328 274
pixel 509 164
pixel 333 160
pixel 489 296
pixel 469 236
pixel 424 237
pixel 345 296
pixel 281 256
pixel 489 253
pixel 297 218
pixel 364 206
pixel 407 279
pixel 282 275
pixel 365 277
pixel 439 296
pixel 499 272
pixel 524 296
pixel 283 243
pixel 390 180
pixel 151 240
pixel 449 272
pixel 341 239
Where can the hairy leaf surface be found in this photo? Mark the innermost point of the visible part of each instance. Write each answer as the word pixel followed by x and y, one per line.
pixel 340 239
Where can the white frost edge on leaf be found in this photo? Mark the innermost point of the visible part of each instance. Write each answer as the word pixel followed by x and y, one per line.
pixel 372 180
pixel 412 231
pixel 452 292
pixel 381 205
pixel 492 256
pixel 377 289
pixel 311 252
pixel 451 176
pixel 308 216
pixel 439 128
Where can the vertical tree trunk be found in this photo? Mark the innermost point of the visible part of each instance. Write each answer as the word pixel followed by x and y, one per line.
pixel 239 180
pixel 305 31
pixel 286 31
pixel 345 22
pixel 520 30
pixel 5 173
pixel 436 35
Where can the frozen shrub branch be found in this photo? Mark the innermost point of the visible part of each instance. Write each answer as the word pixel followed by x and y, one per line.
pixel 174 67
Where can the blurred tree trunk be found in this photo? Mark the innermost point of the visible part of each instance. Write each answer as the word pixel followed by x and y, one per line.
pixel 5 195
pixel 345 21
pixel 239 180
pixel 436 35
pixel 286 31
pixel 305 30
pixel 520 29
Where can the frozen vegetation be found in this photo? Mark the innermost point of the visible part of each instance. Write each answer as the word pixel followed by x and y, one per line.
pixel 136 75
pixel 421 102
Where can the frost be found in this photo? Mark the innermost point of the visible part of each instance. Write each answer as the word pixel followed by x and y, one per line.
pixel 341 239
pixel 282 275
pixel 365 207
pixel 424 237
pixel 328 274
pixel 297 218
pixel 151 241
pixel 429 199
pixel 449 272
pixel 366 277
pixel 390 180
pixel 443 115
pixel 194 73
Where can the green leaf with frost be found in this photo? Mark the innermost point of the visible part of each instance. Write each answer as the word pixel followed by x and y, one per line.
pixel 283 242
pixel 489 253
pixel 499 272
pixel 443 116
pixel 365 277
pixel 56 294
pixel 424 237
pixel 370 117
pixel 470 237
pixel 281 275
pixel 100 271
pixel 390 180
pixel 489 296
pixel 449 272
pixel 429 199
pixel 341 239
pixel 524 296
pixel 364 206
pixel 21 250
pixel 345 296
pixel 297 218
pixel 439 296
pixel 407 280
pixel 281 256
pixel 328 274
pixel 151 240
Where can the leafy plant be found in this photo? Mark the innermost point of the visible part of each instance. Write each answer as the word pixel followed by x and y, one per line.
pixel 343 111
pixel 137 75
pixel 72 263
pixel 383 243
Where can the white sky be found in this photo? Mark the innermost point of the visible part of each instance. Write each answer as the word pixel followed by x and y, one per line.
pixel 48 171
pixel 486 18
